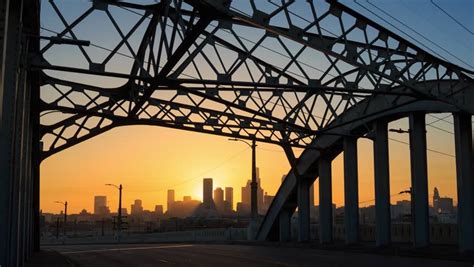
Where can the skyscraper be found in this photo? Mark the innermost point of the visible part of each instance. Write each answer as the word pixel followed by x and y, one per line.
pixel 100 205
pixel 136 208
pixel 436 199
pixel 207 192
pixel 208 208
pixel 229 198
pixel 246 196
pixel 170 199
pixel 159 210
pixel 219 199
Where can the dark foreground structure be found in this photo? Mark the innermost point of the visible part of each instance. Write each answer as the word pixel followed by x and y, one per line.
pixel 313 75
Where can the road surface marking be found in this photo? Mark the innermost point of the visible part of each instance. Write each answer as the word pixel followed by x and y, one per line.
pixel 124 249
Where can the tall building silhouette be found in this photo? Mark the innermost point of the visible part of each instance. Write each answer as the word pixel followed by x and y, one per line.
pixel 208 208
pixel 136 207
pixel 246 196
pixel 219 199
pixel 170 201
pixel 159 210
pixel 100 205
pixel 442 204
pixel 229 199
pixel 207 192
pixel 436 199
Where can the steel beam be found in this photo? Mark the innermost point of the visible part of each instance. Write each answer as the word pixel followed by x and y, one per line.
pixel 465 180
pixel 419 180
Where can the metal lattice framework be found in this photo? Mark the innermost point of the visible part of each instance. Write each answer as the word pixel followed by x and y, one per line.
pixel 274 72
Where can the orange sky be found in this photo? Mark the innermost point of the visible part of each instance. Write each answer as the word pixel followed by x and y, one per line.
pixel 148 160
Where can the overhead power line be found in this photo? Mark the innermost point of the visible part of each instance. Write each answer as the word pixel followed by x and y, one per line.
pixel 400 30
pixel 418 33
pixel 453 18
pixel 198 176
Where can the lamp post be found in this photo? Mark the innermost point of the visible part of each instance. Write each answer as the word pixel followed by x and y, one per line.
pixel 65 214
pixel 253 184
pixel 119 212
pixel 412 210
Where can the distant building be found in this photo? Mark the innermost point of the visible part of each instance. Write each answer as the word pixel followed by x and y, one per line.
pixel 183 209
pixel 219 199
pixel 170 199
pixel 136 208
pixel 401 210
pixel 208 208
pixel 229 199
pixel 442 204
pixel 207 192
pixel 367 215
pixel 100 205
pixel 246 196
pixel 124 212
pixel 267 201
pixel 242 210
pixel 159 210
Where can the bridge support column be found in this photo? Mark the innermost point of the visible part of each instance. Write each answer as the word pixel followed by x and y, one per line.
pixel 351 191
pixel 465 181
pixel 325 200
pixel 285 225
pixel 303 210
pixel 419 181
pixel 382 185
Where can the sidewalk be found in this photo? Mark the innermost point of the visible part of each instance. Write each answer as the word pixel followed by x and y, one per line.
pixel 47 257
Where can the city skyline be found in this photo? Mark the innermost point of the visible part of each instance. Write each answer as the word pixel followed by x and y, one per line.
pixel 434 195
pixel 228 162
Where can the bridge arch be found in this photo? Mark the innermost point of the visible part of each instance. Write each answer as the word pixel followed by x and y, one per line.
pixel 360 122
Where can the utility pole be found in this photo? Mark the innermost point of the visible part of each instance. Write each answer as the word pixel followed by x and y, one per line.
pixel 254 184
pixel 253 187
pixel 65 215
pixel 119 211
pixel 57 228
pixel 65 218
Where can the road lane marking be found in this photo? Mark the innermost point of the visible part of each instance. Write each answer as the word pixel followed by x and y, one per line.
pixel 124 249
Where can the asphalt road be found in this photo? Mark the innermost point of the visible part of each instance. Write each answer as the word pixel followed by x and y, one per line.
pixel 230 255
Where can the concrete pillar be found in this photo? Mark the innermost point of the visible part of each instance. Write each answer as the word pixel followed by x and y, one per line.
pixel 303 210
pixel 465 181
pixel 285 225
pixel 325 200
pixel 9 54
pixel 382 185
pixel 419 181
pixel 351 190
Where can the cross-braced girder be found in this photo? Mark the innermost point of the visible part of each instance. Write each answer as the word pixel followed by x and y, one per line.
pixel 275 72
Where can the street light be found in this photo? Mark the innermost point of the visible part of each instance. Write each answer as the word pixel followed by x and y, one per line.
pixel 412 209
pixel 119 212
pixel 253 184
pixel 399 130
pixel 65 214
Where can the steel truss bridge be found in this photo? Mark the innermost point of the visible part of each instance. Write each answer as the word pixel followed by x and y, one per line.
pixel 300 74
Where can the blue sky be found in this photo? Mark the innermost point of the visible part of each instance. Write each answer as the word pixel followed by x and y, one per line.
pixel 424 17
